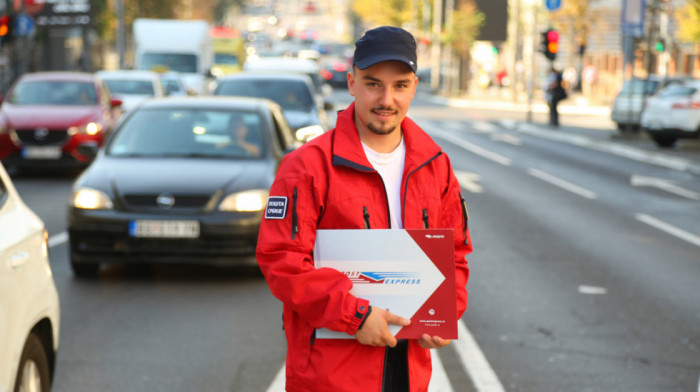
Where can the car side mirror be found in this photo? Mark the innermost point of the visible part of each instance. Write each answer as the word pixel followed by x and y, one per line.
pixel 114 102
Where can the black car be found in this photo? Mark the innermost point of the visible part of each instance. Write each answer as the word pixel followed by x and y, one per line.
pixel 182 180
pixel 294 92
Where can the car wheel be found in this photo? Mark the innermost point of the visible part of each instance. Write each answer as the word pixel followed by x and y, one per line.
pixel 664 141
pixel 33 372
pixel 84 270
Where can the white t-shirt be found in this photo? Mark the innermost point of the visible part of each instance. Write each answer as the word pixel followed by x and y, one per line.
pixel 390 167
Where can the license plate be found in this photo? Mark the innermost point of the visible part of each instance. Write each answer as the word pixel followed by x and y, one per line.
pixel 164 229
pixel 43 152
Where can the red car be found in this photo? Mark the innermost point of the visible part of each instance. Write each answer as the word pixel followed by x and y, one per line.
pixel 45 116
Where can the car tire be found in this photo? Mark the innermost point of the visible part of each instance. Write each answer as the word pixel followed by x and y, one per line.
pixel 84 270
pixel 664 141
pixel 33 373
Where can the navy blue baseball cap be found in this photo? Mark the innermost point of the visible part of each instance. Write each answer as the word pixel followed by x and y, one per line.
pixel 383 44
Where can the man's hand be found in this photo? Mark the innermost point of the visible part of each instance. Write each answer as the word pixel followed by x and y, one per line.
pixel 427 341
pixel 375 331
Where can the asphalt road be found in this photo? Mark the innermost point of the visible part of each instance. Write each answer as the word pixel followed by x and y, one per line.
pixel 583 278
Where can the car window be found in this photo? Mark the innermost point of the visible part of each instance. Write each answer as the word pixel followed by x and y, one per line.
pixel 3 193
pixel 289 94
pixel 173 61
pixel 126 86
pixel 54 93
pixel 677 90
pixel 639 86
pixel 190 132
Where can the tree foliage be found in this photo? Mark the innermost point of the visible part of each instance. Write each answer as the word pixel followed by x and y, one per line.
pixel 466 24
pixel 383 12
pixel 689 21
pixel 574 19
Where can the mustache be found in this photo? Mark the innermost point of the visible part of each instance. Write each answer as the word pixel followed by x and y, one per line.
pixel 384 109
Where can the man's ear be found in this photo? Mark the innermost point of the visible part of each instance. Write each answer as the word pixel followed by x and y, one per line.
pixel 351 82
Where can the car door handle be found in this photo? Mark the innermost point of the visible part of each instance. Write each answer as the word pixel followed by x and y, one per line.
pixel 19 260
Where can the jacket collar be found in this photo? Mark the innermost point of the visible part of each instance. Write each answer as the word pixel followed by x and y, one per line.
pixel 347 148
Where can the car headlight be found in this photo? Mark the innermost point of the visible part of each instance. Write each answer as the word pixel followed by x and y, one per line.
pixel 307 133
pixel 91 199
pixel 92 128
pixel 252 200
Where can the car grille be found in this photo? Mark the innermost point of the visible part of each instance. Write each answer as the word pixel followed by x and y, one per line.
pixel 38 138
pixel 181 201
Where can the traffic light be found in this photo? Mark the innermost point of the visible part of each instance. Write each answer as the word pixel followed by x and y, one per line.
pixel 550 44
pixel 5 28
pixel 660 45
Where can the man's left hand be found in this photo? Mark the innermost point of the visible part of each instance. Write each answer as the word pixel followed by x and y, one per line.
pixel 427 341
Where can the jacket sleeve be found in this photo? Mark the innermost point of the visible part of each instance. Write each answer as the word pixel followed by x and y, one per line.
pixel 456 215
pixel 285 253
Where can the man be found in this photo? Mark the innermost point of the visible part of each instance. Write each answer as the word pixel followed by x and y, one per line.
pixel 376 170
pixel 554 92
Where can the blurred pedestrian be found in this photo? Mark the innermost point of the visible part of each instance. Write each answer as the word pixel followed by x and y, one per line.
pixel 376 170
pixel 554 93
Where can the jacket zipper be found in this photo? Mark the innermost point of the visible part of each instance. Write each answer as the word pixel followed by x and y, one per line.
pixel 365 215
pixel 465 217
pixel 425 218
pixel 405 187
pixel 295 226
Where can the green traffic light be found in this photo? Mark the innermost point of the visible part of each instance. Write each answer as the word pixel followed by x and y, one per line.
pixel 659 46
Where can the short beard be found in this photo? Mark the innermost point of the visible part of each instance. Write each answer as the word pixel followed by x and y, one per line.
pixel 380 131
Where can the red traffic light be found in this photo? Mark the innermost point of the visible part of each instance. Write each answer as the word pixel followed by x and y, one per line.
pixel 4 25
pixel 553 36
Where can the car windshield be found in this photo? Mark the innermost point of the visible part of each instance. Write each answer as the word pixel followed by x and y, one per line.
pixel 638 86
pixel 128 86
pixel 289 94
pixel 224 58
pixel 677 90
pixel 189 133
pixel 173 61
pixel 54 93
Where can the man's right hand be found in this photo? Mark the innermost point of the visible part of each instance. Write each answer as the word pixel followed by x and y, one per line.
pixel 375 331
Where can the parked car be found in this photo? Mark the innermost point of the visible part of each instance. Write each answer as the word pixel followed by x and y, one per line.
pixel 133 87
pixel 29 305
pixel 628 104
pixel 46 116
pixel 183 180
pixel 293 92
pixel 673 113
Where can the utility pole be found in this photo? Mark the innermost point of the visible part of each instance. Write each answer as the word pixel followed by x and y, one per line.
pixel 121 33
pixel 435 52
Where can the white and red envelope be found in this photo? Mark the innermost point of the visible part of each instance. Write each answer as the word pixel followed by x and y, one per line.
pixel 410 272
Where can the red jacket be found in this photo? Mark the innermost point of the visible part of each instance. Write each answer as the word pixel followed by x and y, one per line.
pixel 329 184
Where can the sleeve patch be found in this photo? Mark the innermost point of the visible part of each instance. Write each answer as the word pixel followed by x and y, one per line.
pixel 276 207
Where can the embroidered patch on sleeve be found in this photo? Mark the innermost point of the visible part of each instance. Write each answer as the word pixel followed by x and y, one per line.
pixel 276 207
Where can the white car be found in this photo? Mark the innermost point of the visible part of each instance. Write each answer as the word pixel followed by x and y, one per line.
pixel 133 87
pixel 673 113
pixel 29 306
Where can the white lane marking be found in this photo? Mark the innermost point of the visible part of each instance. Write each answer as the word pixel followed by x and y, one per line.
pixel 468 181
pixel 473 148
pixel 669 229
pixel 438 382
pixel 484 127
pixel 593 290
pixel 58 239
pixel 562 184
pixel 506 138
pixel 279 381
pixel 663 185
pixel 474 361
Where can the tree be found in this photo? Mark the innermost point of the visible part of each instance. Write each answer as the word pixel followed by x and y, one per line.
pixel 383 12
pixel 466 24
pixel 689 21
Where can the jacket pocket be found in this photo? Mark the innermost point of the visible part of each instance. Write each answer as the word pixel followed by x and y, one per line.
pixel 465 218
